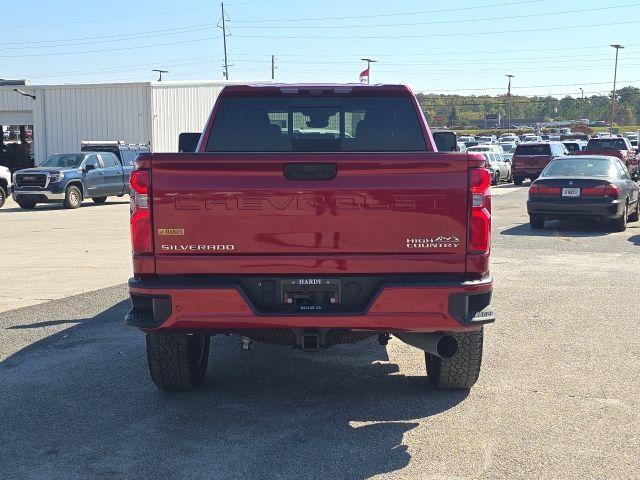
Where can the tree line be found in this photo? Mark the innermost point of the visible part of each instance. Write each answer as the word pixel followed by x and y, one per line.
pixel 469 110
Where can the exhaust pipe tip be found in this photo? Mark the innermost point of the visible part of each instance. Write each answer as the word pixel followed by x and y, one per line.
pixel 447 346
pixel 441 344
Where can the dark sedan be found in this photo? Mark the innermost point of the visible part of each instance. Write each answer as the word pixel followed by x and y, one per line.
pixel 584 187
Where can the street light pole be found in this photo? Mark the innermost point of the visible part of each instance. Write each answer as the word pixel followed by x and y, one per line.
pixel 369 62
pixel 615 75
pixel 160 71
pixel 509 102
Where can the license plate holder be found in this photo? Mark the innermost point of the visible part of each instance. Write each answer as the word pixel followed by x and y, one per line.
pixel 311 295
pixel 571 192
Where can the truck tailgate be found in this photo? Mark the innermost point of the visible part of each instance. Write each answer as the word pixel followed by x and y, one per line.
pixel 215 213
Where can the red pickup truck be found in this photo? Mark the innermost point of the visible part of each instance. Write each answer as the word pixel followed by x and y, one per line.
pixel 614 147
pixel 312 215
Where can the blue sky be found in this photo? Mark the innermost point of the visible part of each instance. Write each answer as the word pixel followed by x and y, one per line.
pixel 443 47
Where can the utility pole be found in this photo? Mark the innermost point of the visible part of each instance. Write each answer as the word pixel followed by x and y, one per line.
pixel 615 74
pixel 509 76
pixel 160 72
pixel 581 103
pixel 369 62
pixel 224 41
pixel 273 67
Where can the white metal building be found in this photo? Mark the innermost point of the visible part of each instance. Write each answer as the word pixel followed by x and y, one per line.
pixel 151 113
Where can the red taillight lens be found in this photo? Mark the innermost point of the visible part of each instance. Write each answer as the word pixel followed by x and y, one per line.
pixel 139 181
pixel 538 189
pixel 141 228
pixel 480 217
pixel 604 190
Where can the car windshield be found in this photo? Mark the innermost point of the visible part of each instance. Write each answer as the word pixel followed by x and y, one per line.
pixel 508 147
pixel 66 160
pixel 572 147
pixel 607 144
pixel 533 150
pixel 589 167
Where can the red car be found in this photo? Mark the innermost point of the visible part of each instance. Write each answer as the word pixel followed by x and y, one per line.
pixel 312 215
pixel 614 147
pixel 530 158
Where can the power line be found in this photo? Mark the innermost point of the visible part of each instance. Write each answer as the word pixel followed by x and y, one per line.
pixel 93 20
pixel 446 22
pixel 438 35
pixel 110 38
pixel 438 53
pixel 110 49
pixel 420 12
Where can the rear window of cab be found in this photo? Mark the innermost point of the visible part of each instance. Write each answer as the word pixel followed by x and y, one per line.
pixel 316 124
pixel 533 149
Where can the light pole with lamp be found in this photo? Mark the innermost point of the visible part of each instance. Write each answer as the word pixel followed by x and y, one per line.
pixel 509 102
pixel 615 74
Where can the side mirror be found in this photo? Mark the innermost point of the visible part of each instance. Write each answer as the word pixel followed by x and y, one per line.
pixel 188 142
pixel 89 167
pixel 446 141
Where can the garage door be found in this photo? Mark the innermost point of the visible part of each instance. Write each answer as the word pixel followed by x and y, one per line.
pixel 16 117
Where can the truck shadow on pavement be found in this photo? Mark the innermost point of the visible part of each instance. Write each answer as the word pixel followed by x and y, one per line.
pixel 564 228
pixel 59 206
pixel 82 405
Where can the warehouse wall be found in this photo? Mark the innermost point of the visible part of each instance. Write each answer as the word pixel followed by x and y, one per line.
pixel 66 115
pixel 180 108
pixel 15 105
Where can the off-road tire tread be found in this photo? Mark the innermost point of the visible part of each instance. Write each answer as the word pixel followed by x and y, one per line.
pixel 168 356
pixel 463 369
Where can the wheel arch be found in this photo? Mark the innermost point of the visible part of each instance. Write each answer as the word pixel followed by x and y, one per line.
pixel 77 183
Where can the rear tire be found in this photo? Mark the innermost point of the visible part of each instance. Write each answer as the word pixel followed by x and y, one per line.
pixel 536 222
pixel 3 196
pixel 99 199
pixel 177 361
pixel 27 205
pixel 635 216
pixel 463 369
pixel 518 180
pixel 72 197
pixel 620 224
pixel 496 178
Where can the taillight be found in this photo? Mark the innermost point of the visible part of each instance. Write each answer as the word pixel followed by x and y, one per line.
pixel 141 230
pixel 541 189
pixel 604 190
pixel 480 217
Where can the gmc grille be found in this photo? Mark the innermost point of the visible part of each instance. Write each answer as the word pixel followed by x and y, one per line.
pixel 31 180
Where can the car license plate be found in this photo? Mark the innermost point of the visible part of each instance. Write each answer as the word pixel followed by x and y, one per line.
pixel 570 192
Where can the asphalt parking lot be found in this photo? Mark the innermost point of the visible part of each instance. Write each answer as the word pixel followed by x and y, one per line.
pixel 558 396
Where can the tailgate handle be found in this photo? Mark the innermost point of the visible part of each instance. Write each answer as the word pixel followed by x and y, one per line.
pixel 310 171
